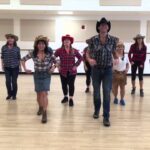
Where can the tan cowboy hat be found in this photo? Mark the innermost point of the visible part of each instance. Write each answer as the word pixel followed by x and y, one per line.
pixel 120 43
pixel 139 36
pixel 41 38
pixel 15 37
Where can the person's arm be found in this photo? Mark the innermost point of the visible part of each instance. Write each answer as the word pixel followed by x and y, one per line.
pixel 114 53
pixel 130 55
pixel 2 57
pixel 23 62
pixel 19 58
pixel 2 64
pixel 79 57
pixel 144 57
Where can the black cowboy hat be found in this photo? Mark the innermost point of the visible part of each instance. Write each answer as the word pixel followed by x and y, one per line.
pixel 103 21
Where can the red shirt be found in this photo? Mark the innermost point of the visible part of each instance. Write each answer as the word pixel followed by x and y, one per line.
pixel 68 61
pixel 137 55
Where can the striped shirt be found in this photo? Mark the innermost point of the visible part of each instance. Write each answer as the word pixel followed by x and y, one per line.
pixel 11 57
pixel 67 61
pixel 40 66
pixel 102 53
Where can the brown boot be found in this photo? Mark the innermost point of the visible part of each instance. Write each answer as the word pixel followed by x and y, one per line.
pixel 40 111
pixel 44 117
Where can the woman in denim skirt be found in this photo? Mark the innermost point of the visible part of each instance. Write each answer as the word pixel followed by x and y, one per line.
pixel 43 65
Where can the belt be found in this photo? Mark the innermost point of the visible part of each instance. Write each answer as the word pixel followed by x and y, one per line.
pixel 119 72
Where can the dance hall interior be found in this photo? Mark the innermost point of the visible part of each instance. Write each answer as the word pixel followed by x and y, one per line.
pixel 75 75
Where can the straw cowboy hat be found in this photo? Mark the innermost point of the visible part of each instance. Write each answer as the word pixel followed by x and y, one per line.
pixel 67 37
pixel 15 37
pixel 103 21
pixel 139 36
pixel 41 38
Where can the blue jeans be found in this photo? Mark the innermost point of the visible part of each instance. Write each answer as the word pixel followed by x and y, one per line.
pixel 11 75
pixel 103 76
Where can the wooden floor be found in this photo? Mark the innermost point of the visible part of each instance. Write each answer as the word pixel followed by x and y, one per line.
pixel 72 128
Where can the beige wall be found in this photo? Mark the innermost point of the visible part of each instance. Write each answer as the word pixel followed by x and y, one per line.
pixel 120 2
pixel 4 1
pixel 41 2
pixel 6 26
pixel 32 28
pixel 73 27
pixel 125 30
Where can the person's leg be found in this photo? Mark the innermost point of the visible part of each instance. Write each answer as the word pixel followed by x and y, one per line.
pixel 133 74
pixel 64 84
pixel 107 82
pixel 44 102
pixel 8 82
pixel 88 78
pixel 115 92
pixel 39 104
pixel 96 81
pixel 15 72
pixel 71 82
pixel 122 94
pixel 140 74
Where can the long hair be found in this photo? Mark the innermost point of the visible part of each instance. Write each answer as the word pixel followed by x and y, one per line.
pixel 71 48
pixel 136 44
pixel 35 51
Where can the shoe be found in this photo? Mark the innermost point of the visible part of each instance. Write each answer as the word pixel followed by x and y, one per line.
pixel 8 97
pixel 96 115
pixel 64 100
pixel 71 104
pixel 87 90
pixel 141 93
pixel 40 111
pixel 106 122
pixel 122 102
pixel 133 91
pixel 44 117
pixel 115 100
pixel 14 98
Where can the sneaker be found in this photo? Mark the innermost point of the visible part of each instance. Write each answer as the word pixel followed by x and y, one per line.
pixel 106 122
pixel 115 100
pixel 87 90
pixel 64 100
pixel 122 102
pixel 133 91
pixel 71 104
pixel 8 97
pixel 141 93
pixel 96 115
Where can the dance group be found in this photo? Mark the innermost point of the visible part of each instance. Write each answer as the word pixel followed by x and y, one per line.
pixel 104 62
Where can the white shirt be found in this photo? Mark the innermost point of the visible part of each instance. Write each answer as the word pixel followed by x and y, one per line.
pixel 119 64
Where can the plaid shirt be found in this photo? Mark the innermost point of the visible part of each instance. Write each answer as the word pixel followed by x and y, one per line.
pixel 67 61
pixel 40 66
pixel 102 53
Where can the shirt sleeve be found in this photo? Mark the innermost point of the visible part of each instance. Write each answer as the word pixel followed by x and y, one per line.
pixel 2 53
pixel 28 56
pixel 116 40
pixel 57 53
pixel 19 54
pixel 130 53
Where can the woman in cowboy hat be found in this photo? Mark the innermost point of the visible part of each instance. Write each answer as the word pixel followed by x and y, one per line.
pixel 68 67
pixel 10 64
pixel 137 57
pixel 43 65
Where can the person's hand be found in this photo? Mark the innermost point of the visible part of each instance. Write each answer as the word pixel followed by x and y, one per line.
pixel 92 62
pixel 141 66
pixel 52 69
pixel 20 69
pixel 85 68
pixel 28 71
pixel 126 71
pixel 132 63
pixel 74 68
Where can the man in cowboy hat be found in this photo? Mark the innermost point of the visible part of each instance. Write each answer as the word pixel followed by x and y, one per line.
pixel 100 50
pixel 11 64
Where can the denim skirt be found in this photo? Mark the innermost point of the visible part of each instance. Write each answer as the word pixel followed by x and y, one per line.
pixel 42 81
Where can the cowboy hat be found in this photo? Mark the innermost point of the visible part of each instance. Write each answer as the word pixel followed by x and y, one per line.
pixel 41 38
pixel 139 36
pixel 103 21
pixel 67 37
pixel 15 37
